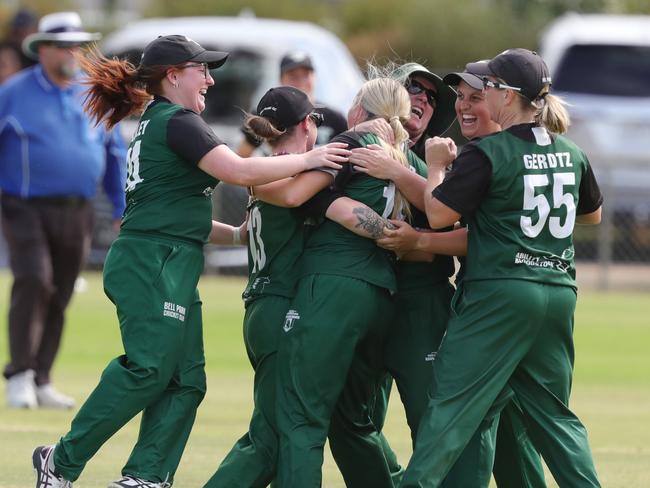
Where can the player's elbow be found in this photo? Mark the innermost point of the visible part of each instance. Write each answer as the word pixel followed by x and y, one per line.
pixel 591 218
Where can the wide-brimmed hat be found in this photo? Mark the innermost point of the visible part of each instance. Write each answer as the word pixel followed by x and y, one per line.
pixel 444 114
pixel 60 27
pixel 177 49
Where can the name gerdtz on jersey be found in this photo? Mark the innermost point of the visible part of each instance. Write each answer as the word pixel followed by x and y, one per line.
pixel 174 311
pixel 546 161
pixel 291 316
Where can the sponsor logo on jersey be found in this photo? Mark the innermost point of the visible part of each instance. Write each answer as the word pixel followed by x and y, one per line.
pixel 208 191
pixel 174 311
pixel 542 262
pixel 289 319
pixel 430 357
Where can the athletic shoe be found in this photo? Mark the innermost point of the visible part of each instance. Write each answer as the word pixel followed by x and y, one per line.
pixel 21 390
pixel 46 476
pixel 133 482
pixel 48 397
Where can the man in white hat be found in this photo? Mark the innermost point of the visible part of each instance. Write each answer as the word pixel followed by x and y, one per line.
pixel 52 161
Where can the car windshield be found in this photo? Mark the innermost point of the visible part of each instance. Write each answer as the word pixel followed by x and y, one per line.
pixel 605 70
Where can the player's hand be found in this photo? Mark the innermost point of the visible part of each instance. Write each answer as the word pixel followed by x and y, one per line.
pixel 375 161
pixel 327 156
pixel 243 231
pixel 379 127
pixel 440 152
pixel 400 240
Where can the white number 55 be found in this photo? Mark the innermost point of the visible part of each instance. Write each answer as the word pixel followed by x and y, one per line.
pixel 540 202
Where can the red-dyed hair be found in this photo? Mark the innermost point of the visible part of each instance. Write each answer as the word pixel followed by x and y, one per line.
pixel 116 88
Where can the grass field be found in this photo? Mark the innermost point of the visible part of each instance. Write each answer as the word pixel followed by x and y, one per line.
pixel 611 388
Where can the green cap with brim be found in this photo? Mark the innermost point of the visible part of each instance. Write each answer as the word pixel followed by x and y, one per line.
pixel 444 114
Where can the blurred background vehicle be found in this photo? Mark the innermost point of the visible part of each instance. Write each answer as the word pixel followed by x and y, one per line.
pixel 600 64
pixel 256 47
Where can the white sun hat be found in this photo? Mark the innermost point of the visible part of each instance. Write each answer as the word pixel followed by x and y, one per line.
pixel 63 27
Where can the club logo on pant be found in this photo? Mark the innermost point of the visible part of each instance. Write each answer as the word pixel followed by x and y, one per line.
pixel 288 320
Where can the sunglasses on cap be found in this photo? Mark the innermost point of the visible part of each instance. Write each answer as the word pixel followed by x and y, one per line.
pixel 415 88
pixel 204 66
pixel 317 118
pixel 487 83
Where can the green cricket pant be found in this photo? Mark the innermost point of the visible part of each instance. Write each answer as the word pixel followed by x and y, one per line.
pixel 152 282
pixel 418 325
pixel 504 334
pixel 517 463
pixel 251 463
pixel 330 348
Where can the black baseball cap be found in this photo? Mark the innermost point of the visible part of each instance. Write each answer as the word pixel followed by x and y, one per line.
pixel 177 49
pixel 284 106
pixel 518 67
pixel 295 59
pixel 473 80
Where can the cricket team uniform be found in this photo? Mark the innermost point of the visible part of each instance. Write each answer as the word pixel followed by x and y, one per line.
pixel 511 325
pixel 275 243
pixel 330 349
pixel 151 274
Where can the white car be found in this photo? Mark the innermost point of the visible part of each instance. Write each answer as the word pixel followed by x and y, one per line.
pixel 256 47
pixel 600 64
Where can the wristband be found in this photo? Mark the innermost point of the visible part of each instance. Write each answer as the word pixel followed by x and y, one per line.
pixel 236 236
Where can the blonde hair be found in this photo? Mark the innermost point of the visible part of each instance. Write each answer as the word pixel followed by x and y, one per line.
pixel 388 99
pixel 550 111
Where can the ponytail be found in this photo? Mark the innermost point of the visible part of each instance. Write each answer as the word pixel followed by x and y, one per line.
pixel 553 114
pixel 116 88
pixel 263 128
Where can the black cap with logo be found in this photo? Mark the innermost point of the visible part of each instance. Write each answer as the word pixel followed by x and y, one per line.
pixel 518 68
pixel 284 106
pixel 295 59
pixel 176 49
pixel 473 80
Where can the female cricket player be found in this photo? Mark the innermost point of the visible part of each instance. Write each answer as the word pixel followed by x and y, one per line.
pixel 152 269
pixel 521 191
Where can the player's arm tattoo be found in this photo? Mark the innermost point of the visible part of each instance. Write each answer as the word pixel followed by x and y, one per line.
pixel 371 222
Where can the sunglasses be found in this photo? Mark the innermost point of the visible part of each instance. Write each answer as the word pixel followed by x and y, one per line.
pixel 317 118
pixel 204 66
pixel 63 44
pixel 487 83
pixel 415 88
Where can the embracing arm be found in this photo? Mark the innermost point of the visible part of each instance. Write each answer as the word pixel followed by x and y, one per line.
pixel 227 166
pixel 293 192
pixel 377 162
pixel 228 234
pixel 405 239
pixel 358 218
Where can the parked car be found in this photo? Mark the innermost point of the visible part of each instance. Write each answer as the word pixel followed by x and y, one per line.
pixel 600 64
pixel 256 47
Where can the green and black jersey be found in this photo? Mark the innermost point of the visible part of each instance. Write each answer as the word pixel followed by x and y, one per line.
pixel 519 192
pixel 412 275
pixel 332 249
pixel 166 192
pixel 275 244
